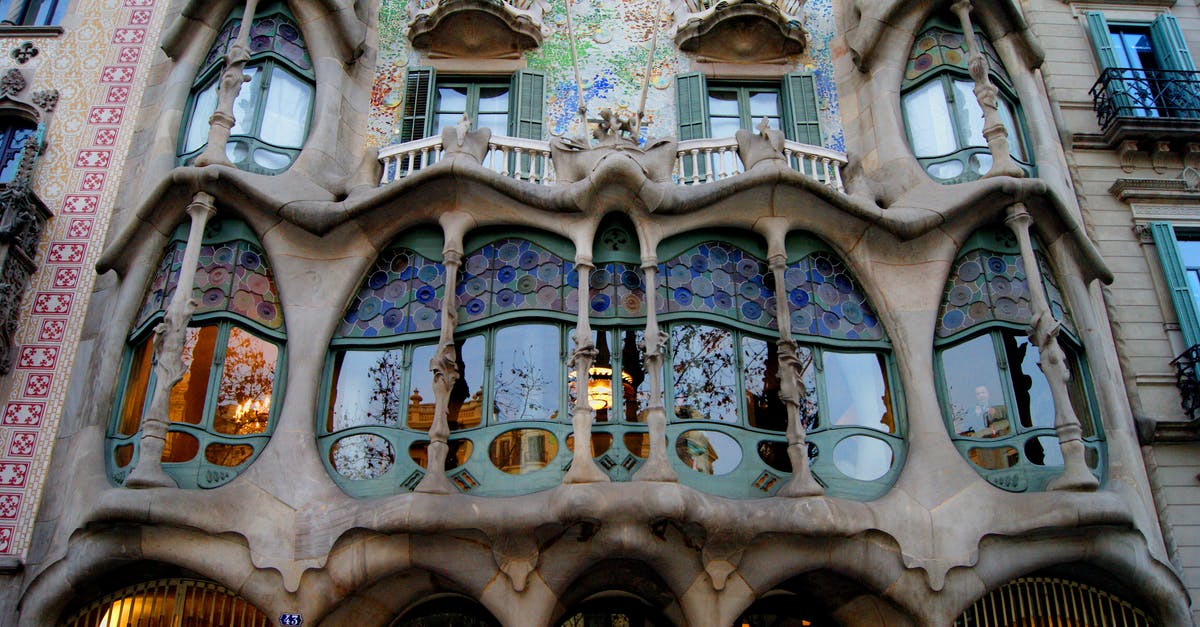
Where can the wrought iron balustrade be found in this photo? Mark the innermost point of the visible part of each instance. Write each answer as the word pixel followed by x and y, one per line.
pixel 1139 93
pixel 1187 379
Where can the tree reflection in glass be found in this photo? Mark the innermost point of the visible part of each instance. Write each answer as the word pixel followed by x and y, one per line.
pixel 857 391
pixel 703 373
pixel 188 396
pixel 465 409
pixel 760 376
pixel 527 373
pixel 367 389
pixel 244 395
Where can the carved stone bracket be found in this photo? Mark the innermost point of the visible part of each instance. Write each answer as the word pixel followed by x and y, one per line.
pixel 721 556
pixel 516 556
pixel 1191 155
pixel 1126 152
pixel 1158 156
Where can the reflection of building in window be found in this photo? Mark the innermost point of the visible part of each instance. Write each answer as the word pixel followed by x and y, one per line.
pixel 33 12
pixel 223 405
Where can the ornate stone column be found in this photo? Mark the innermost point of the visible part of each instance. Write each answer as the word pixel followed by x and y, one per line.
pixel 222 120
pixel 791 371
pixel 169 337
pixel 583 466
pixel 986 93
pixel 1043 332
pixel 658 465
pixel 444 365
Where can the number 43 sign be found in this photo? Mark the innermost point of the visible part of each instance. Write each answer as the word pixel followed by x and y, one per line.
pixel 290 619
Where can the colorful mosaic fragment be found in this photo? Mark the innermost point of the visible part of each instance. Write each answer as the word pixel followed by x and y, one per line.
pixel 402 294
pixel 826 301
pixel 279 34
pixel 718 278
pixel 163 285
pixel 220 47
pixel 514 274
pixel 937 47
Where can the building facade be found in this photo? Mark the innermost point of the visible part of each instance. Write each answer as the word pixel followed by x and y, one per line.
pixel 433 312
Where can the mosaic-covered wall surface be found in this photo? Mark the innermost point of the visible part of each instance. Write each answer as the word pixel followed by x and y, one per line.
pixel 613 40
pixel 99 66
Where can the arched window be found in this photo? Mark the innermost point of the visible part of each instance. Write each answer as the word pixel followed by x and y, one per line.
pixel 169 602
pixel 941 113
pixel 1051 601
pixel 996 401
pixel 223 410
pixel 14 135
pixel 718 306
pixel 273 108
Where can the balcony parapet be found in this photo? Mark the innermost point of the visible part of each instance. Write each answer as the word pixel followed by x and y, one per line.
pixel 696 161
pixel 476 28
pixel 1154 105
pixel 739 30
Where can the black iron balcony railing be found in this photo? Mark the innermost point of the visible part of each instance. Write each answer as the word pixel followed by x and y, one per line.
pixel 1187 379
pixel 1122 93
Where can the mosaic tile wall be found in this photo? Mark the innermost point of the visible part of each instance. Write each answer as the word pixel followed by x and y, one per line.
pixel 99 65
pixel 613 47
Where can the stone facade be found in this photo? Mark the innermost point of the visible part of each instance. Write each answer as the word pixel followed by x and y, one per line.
pixel 538 521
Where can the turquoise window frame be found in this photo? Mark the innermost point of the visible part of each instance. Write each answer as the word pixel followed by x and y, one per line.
pixel 268 63
pixel 964 152
pixel 478 475
pixel 1024 476
pixel 197 472
pixel 1175 273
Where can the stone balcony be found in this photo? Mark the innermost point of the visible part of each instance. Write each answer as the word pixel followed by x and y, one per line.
pixel 740 31
pixel 696 161
pixel 492 29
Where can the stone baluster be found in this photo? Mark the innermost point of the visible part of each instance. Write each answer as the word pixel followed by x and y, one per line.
pixel 1043 332
pixel 222 120
pixel 444 364
pixel 986 93
pixel 583 466
pixel 658 465
pixel 791 370
pixel 169 338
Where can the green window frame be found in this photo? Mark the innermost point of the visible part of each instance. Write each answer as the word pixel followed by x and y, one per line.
pixel 942 119
pixel 273 109
pixel 996 403
pixel 1182 275
pixel 236 348
pixel 797 110
pixel 1140 82
pixel 378 452
pixel 426 111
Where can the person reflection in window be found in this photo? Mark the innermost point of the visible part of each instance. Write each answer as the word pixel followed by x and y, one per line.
pixel 984 419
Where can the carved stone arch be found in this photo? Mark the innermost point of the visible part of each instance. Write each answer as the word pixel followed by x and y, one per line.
pixel 822 597
pixel 633 581
pixel 348 33
pixel 871 21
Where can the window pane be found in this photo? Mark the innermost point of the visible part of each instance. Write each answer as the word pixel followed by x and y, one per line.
pixel 1078 392
pixel 197 130
pixel 136 387
pixel 972 380
pixel 188 396
pixel 493 100
pixel 179 447
pixel 527 373
pixel 722 103
pixel 929 122
pixel 702 371
pixel 598 382
pixel 498 122
pixel 760 376
pixel 1016 144
pixel 452 99
pixel 244 398
pixel 13 150
pixel 724 127
pixel 969 114
pixel 466 397
pixel 857 391
pixel 636 388
pixel 1031 390
pixel 367 389
pixel 247 102
pixel 285 118
pixel 764 103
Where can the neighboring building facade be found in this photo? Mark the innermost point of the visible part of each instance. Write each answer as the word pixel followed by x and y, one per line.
pixel 826 314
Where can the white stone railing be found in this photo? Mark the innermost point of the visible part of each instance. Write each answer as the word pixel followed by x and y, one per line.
pixel 525 159
pixel 686 11
pixel 707 160
pixel 696 160
pixel 532 10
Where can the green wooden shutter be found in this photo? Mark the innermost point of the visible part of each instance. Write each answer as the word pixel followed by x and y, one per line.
pixel 801 115
pixel 417 119
pixel 1101 42
pixel 527 111
pixel 1169 46
pixel 691 96
pixel 1173 271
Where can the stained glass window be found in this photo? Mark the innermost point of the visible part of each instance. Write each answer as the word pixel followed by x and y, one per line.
pixel 401 294
pixel 517 274
pixel 272 109
pixel 718 278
